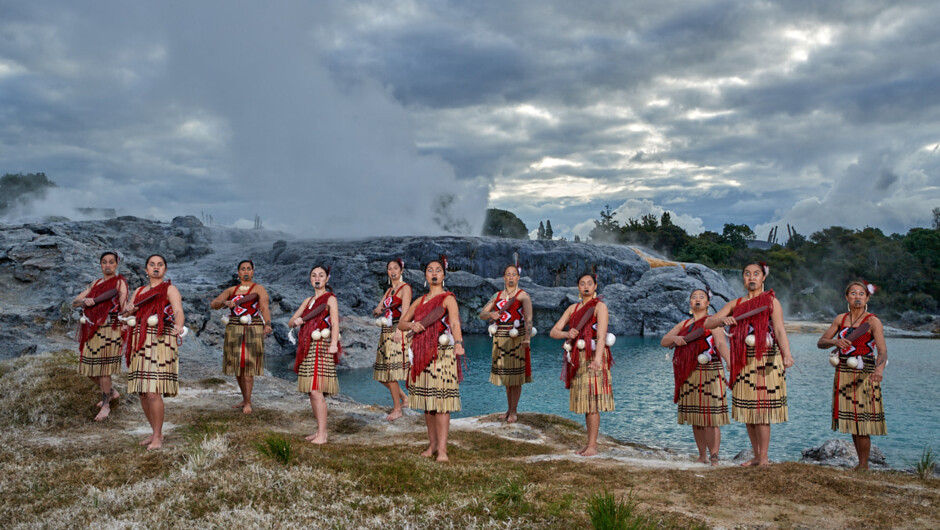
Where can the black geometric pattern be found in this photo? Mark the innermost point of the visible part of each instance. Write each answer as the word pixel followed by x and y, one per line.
pixel 508 367
pixel 437 389
pixel 759 394
pixel 155 367
pixel 318 367
pixel 102 353
pixel 702 397
pixel 391 362
pixel 856 402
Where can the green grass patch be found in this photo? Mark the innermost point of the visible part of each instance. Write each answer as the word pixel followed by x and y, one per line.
pixel 277 447
pixel 925 467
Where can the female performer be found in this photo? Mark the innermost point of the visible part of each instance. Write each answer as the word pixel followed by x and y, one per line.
pixel 587 359
pixel 391 366
pixel 318 347
pixel 760 355
pixel 511 309
pixel 700 386
pixel 99 337
pixel 152 345
pixel 247 324
pixel 435 375
pixel 857 407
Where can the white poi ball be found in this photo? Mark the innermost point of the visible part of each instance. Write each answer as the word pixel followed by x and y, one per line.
pixel 611 339
pixel 567 346
pixel 245 319
pixel 444 339
pixel 380 321
pixel 152 320
pixel 769 341
pixel 533 332
pixel 83 319
pixel 388 321
pixel 491 329
pixel 834 359
pixel 861 362
pixel 131 321
pixel 750 340
pixel 581 344
pixel 184 332
pixel 225 319
pixel 513 332
pixel 704 358
pixel 852 362
pixel 411 356
pixel 315 334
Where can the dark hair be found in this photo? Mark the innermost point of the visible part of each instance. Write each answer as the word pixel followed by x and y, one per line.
pixel 513 265
pixel 764 268
pixel 439 262
pixel 706 290
pixel 248 261
pixel 591 275
pixel 155 255
pixel 398 261
pixel 860 283
pixel 112 253
pixel 327 270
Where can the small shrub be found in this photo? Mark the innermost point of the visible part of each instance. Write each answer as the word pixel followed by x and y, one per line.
pixel 276 446
pixel 511 492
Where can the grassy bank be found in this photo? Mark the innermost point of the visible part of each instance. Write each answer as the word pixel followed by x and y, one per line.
pixel 59 468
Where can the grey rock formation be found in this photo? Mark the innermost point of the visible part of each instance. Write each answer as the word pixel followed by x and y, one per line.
pixel 43 266
pixel 841 453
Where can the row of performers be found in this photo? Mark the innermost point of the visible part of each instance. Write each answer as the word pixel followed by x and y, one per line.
pixel 421 344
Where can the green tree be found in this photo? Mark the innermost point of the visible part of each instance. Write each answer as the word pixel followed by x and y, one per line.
pixel 20 188
pixel 503 223
pixel 549 233
pixel 541 233
pixel 737 235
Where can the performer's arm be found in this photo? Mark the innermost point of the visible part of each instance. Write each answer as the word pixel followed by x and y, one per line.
pixel 453 316
pixel 877 332
pixel 405 299
pixel 122 293
pixel 264 306
pixel 672 339
pixel 721 344
pixel 828 339
pixel 378 307
pixel 405 324
pixel 82 297
pixel 557 331
pixel 333 308
pixel 781 333
pixel 295 319
pixel 129 306
pixel 529 315
pixel 600 311
pixel 176 302
pixel 223 299
pixel 487 312
pixel 723 317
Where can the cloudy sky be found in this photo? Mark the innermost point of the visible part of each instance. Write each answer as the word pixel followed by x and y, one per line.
pixel 337 118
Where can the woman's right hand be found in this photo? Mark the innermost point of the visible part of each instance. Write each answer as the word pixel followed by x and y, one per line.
pixel 729 321
pixel 417 327
pixel 296 322
pixel 573 333
pixel 678 341
pixel 842 344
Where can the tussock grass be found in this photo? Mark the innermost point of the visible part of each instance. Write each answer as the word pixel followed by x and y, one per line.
pixel 924 468
pixel 609 513
pixel 277 447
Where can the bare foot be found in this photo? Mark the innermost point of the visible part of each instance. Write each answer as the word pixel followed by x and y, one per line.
pixel 319 440
pixel 512 418
pixel 114 395
pixel 702 459
pixel 157 443
pixel 428 452
pixel 240 405
pixel 714 459
pixel 442 458
pixel 502 417
pixel 763 463
pixel 394 415
pixel 310 438
pixel 147 440
pixel 752 462
pixel 103 413
pixel 581 451
pixel 247 408
pixel 591 451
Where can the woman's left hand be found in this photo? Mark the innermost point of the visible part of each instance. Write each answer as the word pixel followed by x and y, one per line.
pixel 458 349
pixel 787 361
pixel 595 365
pixel 878 375
pixel 333 348
pixel 268 329
pixel 177 329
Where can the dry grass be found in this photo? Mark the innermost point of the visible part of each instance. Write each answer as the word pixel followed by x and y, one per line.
pixel 57 471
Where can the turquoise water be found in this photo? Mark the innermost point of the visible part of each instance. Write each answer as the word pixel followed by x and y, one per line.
pixel 643 387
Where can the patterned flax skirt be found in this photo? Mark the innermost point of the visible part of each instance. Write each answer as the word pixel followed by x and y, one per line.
pixel 508 367
pixel 243 349
pixel 590 390
pixel 318 371
pixel 155 367
pixel 759 394
pixel 702 400
pixel 102 353
pixel 856 403
pixel 436 389
pixel 391 361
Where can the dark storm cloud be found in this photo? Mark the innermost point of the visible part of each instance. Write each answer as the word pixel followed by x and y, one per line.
pixel 756 113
